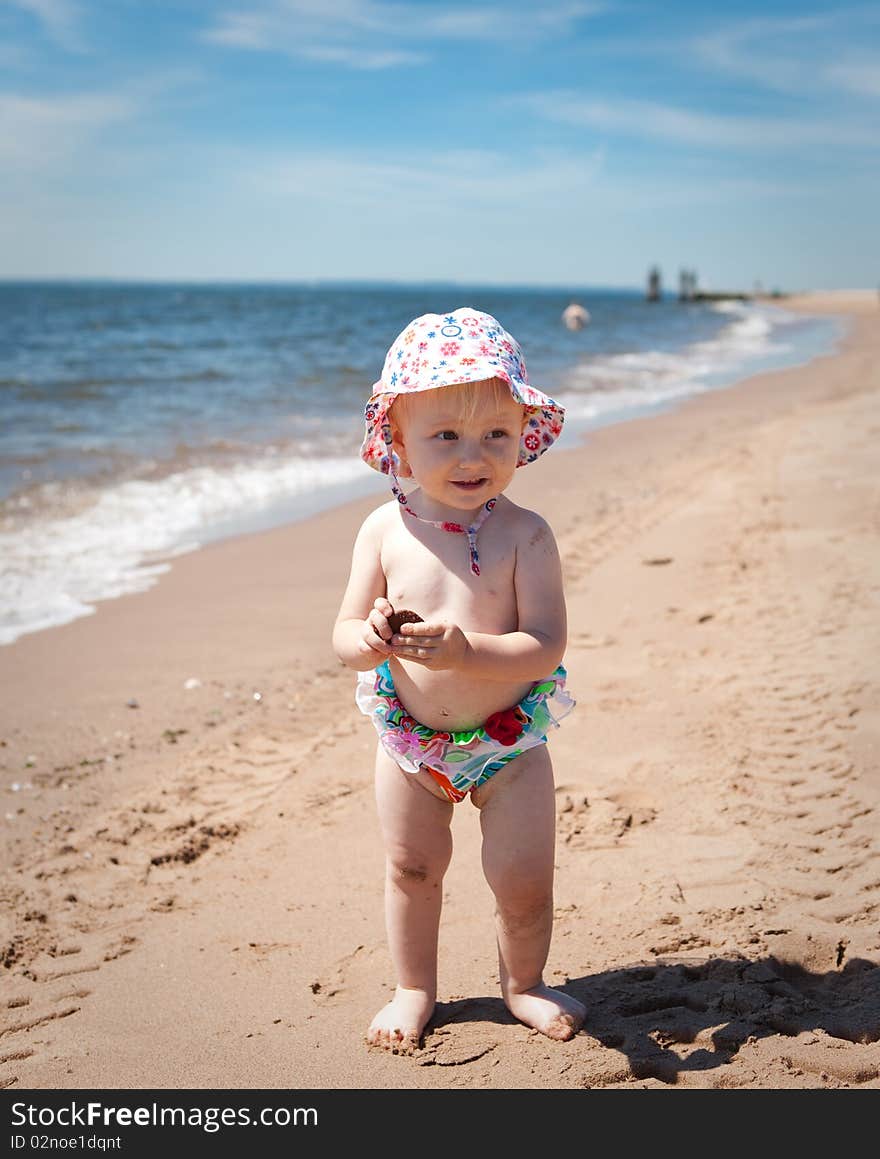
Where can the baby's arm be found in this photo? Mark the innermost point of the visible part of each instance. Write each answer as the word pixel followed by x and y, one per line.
pixel 361 627
pixel 538 645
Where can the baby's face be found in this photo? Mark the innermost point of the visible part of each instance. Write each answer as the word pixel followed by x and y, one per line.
pixel 460 455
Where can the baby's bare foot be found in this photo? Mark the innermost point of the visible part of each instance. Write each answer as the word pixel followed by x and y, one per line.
pixel 398 1026
pixel 550 1011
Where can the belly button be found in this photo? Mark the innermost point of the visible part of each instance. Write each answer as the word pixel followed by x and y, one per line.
pixel 443 712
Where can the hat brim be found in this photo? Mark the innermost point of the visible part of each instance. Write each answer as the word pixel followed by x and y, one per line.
pixel 544 419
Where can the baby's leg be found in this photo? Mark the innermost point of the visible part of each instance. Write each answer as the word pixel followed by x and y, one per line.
pixel 518 819
pixel 418 846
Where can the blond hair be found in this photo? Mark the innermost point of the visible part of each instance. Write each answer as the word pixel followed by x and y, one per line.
pixel 464 394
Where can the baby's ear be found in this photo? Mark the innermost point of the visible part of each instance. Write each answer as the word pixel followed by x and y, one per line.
pixel 397 446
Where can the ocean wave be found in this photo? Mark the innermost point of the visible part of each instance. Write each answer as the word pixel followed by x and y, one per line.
pixel 636 381
pixel 54 569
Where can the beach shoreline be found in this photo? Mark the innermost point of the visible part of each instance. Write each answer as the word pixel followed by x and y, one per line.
pixel 203 439
pixel 199 741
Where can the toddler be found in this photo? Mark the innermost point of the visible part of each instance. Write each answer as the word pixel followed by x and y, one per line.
pixel 463 699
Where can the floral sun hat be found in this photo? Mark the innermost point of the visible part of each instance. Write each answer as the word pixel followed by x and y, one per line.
pixel 438 350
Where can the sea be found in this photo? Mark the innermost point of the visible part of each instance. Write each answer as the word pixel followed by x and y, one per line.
pixel 141 421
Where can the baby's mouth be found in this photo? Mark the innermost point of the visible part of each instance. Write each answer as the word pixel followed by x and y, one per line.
pixel 469 484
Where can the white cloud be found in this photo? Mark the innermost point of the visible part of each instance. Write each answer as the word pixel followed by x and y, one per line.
pixel 59 18
pixel 653 121
pixel 359 58
pixel 861 78
pixel 796 56
pixel 374 34
pixel 491 23
pixel 38 132
pixel 242 30
pixel 449 182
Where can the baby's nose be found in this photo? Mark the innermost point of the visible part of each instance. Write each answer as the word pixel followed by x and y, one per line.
pixel 469 451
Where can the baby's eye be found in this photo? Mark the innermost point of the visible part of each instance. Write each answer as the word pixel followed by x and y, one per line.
pixel 499 434
pixel 447 435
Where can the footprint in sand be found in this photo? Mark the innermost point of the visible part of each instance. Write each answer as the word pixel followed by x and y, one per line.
pixel 327 988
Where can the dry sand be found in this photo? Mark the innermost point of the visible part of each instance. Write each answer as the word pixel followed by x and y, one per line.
pixel 193 874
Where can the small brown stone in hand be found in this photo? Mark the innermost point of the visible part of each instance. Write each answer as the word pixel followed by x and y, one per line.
pixel 396 619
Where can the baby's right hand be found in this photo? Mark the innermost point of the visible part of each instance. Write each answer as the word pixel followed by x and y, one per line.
pixel 377 630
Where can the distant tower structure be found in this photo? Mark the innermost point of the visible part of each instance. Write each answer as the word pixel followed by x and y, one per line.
pixel 687 285
pixel 652 294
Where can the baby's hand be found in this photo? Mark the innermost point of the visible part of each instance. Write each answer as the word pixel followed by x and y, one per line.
pixel 377 631
pixel 436 645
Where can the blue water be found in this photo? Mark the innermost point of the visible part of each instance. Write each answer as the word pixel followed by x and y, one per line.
pixel 137 421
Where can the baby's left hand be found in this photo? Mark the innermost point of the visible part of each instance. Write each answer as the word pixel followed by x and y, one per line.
pixel 436 645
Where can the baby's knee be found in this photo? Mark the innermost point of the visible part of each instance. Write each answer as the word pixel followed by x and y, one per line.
pixel 524 905
pixel 410 870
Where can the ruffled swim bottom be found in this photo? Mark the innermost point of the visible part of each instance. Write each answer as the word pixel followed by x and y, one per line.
pixel 461 761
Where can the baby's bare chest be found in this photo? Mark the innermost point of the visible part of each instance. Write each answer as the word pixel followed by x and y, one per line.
pixel 427 571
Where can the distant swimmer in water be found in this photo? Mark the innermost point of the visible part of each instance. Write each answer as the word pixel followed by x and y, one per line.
pixel 575 316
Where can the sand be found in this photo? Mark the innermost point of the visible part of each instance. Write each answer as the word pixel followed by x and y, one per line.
pixel 192 879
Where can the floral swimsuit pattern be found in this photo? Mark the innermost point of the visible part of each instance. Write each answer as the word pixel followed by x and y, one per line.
pixel 461 761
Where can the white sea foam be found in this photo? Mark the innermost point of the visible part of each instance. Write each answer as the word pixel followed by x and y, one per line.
pixel 53 570
pixel 635 382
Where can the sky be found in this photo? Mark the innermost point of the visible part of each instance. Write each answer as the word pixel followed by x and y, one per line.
pixel 559 143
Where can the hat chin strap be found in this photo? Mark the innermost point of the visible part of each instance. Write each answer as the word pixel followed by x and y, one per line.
pixel 449 525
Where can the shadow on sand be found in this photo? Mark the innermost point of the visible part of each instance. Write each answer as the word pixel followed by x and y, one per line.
pixel 653 1013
